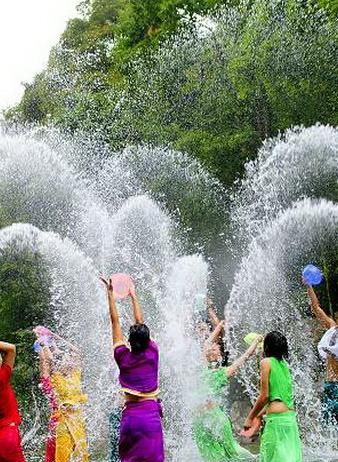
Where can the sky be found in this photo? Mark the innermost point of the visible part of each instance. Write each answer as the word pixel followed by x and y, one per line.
pixel 28 30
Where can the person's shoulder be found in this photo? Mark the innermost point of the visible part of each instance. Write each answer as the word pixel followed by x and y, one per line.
pixel 121 346
pixel 153 344
pixel 266 363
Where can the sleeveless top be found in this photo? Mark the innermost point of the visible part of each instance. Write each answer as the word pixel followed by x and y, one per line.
pixel 215 382
pixel 280 383
pixel 138 371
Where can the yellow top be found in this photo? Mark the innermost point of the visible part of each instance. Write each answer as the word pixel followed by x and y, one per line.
pixel 68 388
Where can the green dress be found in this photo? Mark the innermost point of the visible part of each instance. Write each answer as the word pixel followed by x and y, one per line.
pixel 212 427
pixel 280 440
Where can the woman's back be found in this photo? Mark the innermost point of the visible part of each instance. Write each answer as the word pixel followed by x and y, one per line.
pixel 280 383
pixel 138 371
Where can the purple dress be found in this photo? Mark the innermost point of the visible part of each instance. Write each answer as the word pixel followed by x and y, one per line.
pixel 141 434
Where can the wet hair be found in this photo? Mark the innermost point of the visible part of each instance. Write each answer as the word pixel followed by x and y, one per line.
pixel 276 345
pixel 225 354
pixel 139 337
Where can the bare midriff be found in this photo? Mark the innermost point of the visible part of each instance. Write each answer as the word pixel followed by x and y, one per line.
pixel 134 398
pixel 277 406
pixel 332 369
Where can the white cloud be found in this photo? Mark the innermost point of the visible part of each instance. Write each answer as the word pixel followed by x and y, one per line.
pixel 28 30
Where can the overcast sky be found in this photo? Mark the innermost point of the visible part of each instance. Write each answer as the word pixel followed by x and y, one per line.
pixel 28 30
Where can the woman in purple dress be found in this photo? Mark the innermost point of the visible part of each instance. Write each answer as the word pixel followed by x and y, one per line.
pixel 141 434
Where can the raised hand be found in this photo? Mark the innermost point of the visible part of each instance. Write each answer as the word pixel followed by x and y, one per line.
pixel 108 283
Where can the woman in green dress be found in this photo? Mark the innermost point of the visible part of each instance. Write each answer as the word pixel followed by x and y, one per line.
pixel 280 440
pixel 212 427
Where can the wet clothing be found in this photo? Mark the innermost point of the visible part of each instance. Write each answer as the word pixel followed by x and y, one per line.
pixel 71 441
pixel 9 411
pixel 138 371
pixel 10 444
pixel 280 441
pixel 67 433
pixel 212 427
pixel 280 383
pixel 68 388
pixel 141 433
pixel 217 380
pixel 214 437
pixel 48 390
pixel 329 344
pixel 10 440
pixel 330 403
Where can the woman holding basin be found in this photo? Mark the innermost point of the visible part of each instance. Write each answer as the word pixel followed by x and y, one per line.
pixel 141 434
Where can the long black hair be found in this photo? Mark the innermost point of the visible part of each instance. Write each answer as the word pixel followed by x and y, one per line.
pixel 139 337
pixel 276 345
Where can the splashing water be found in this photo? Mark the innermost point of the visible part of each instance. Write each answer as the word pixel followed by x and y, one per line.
pixel 283 221
pixel 83 226
pixel 302 163
pixel 98 213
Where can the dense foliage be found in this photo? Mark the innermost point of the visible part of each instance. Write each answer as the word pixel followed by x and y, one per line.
pixel 210 77
pixel 24 301
pixel 160 72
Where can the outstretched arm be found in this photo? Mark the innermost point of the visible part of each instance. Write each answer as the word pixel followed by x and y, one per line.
pixel 137 310
pixel 8 351
pixel 114 316
pixel 263 397
pixel 320 314
pixel 73 347
pixel 233 369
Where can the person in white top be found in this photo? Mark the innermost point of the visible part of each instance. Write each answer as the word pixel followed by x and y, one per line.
pixel 328 350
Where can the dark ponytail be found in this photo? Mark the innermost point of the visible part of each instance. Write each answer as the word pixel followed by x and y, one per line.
pixel 139 337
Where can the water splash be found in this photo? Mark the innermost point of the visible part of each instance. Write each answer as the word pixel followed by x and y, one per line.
pixel 283 219
pixel 84 225
pixel 301 163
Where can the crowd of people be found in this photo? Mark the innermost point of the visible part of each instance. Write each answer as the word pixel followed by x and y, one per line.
pixel 136 425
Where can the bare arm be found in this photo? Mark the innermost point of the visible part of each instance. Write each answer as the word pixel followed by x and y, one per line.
pixel 212 314
pixel 45 357
pixel 114 316
pixel 137 310
pixel 216 333
pixel 233 369
pixel 263 397
pixel 320 314
pixel 73 347
pixel 9 353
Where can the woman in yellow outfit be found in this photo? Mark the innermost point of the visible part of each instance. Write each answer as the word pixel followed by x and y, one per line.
pixel 60 379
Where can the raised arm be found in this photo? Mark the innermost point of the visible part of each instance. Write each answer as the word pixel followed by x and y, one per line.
pixel 137 310
pixel 45 357
pixel 233 369
pixel 212 314
pixel 263 397
pixel 320 314
pixel 8 351
pixel 114 316
pixel 213 338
